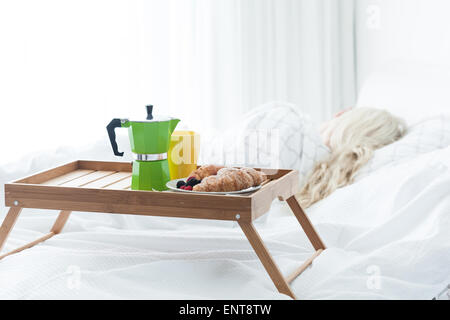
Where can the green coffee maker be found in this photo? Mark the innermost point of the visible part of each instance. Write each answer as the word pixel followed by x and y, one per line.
pixel 150 140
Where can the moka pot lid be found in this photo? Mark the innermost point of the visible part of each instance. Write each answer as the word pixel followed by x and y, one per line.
pixel 150 117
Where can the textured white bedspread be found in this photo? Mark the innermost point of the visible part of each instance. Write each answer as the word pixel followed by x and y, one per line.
pixel 388 238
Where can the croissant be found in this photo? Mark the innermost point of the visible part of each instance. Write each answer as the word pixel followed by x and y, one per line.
pixel 258 176
pixel 231 179
pixel 205 171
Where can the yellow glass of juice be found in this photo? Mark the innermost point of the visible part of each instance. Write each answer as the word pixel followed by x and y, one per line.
pixel 183 153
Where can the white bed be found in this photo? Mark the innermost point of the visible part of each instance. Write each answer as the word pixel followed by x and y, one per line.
pixel 387 237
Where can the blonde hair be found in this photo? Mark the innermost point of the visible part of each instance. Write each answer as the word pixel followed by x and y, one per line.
pixel 355 136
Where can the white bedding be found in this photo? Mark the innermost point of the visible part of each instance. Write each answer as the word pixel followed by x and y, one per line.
pixel 387 236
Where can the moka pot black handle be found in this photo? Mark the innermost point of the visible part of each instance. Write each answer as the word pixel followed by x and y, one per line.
pixel 115 123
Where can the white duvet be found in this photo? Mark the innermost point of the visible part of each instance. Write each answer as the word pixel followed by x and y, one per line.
pixel 387 236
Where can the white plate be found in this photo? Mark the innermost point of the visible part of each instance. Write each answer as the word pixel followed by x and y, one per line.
pixel 172 185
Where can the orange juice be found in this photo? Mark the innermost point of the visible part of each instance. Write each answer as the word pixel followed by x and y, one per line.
pixel 183 153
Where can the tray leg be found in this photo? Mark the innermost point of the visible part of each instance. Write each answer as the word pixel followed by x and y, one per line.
pixel 306 224
pixel 8 224
pixel 310 232
pixel 60 221
pixel 266 258
pixel 11 219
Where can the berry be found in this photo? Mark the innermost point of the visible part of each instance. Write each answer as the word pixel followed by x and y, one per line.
pixel 190 178
pixel 193 182
pixel 188 188
pixel 180 184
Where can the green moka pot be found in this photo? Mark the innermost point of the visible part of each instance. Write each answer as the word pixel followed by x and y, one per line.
pixel 149 140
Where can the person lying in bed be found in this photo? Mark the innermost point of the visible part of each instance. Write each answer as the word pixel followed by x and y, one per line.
pixel 352 137
pixel 326 158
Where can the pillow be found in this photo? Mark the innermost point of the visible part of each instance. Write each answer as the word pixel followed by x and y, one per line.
pixel 425 136
pixel 274 135
pixel 409 89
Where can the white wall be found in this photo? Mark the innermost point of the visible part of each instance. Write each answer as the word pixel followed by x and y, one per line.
pixel 401 29
pixel 63 66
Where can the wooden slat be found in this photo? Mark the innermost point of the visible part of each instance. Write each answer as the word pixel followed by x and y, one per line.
pixel 67 177
pixel 108 180
pixel 86 179
pixel 303 267
pixel 48 174
pixel 129 202
pixel 105 165
pixel 121 185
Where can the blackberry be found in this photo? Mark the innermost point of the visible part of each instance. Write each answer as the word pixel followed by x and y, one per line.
pixel 193 182
pixel 180 184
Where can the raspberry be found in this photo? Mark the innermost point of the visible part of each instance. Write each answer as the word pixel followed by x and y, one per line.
pixel 188 188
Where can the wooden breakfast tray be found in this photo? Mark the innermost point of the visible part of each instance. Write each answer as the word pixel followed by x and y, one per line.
pixel 98 186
